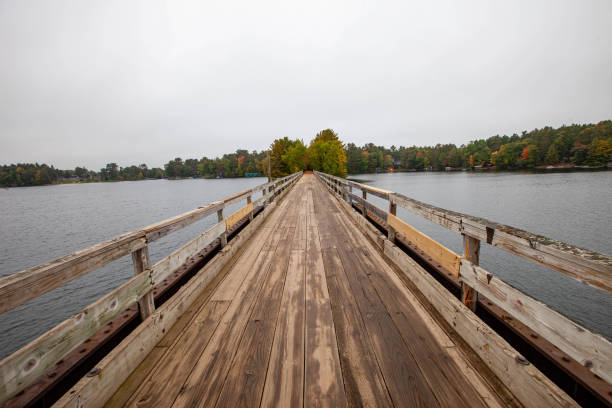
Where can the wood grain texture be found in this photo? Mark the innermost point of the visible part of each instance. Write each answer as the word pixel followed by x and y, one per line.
pixel 166 266
pixel 323 384
pixel 441 254
pixel 586 347
pixel 284 386
pixel 21 287
pixel 529 385
pixel 31 361
pixel 160 229
pixel 238 215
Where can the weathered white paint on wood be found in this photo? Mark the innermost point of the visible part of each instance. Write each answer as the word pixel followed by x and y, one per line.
pixel 162 269
pixel 156 231
pixel 33 360
pixel 23 286
pixel 142 264
pixel 589 349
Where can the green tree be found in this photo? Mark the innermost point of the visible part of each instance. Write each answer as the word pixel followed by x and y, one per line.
pixel 326 153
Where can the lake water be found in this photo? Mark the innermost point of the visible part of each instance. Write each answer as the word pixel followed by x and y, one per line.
pixel 38 224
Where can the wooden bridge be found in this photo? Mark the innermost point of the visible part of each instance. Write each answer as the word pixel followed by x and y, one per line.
pixel 311 295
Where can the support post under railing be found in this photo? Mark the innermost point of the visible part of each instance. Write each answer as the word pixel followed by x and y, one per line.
pixel 471 249
pixel 390 229
pixel 350 197
pixel 142 263
pixel 364 194
pixel 224 235
pixel 251 213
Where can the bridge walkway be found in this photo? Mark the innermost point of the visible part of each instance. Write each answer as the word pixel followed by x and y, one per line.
pixel 308 313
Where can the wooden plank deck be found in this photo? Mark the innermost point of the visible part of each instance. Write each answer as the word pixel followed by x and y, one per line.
pixel 308 313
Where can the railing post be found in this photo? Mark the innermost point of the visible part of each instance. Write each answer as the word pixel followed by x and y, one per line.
pixel 350 197
pixel 364 194
pixel 224 235
pixel 142 263
pixel 251 213
pixel 471 249
pixel 392 211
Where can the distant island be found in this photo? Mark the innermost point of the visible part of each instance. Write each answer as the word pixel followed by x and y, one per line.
pixel 574 146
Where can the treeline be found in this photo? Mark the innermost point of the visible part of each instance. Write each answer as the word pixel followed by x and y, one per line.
pixel 29 174
pixel 580 145
pixel 239 164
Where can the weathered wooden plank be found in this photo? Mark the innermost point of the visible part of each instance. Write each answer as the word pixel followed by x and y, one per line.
pixel 284 386
pixel 370 207
pixel 25 365
pixel 442 338
pixel 378 192
pixel 165 382
pixel 363 382
pixel 162 269
pixel 447 219
pixel 323 374
pixel 444 256
pixel 238 215
pixel 450 389
pixel 205 382
pixel 581 267
pixel 155 231
pixel 121 397
pixel 166 379
pixel 471 252
pixel 403 377
pixel 120 362
pixel 21 287
pixel 244 383
pixel 527 383
pixel 142 263
pixel 589 349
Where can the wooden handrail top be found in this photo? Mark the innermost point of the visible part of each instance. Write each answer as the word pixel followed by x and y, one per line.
pixel 590 267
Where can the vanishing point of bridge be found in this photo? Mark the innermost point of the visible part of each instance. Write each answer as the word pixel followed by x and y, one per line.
pixel 304 302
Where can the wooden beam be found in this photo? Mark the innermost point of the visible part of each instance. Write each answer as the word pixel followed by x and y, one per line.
pixel 238 215
pixel 160 229
pixel 378 192
pixel 589 349
pixel 162 269
pixel 525 381
pixel 25 365
pixel 142 264
pixel 444 256
pixel 21 287
pixel 471 252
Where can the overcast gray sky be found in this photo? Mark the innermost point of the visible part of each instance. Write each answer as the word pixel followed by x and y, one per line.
pixel 89 82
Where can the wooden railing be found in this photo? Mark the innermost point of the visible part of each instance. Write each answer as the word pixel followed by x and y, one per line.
pixel 595 269
pixel 25 365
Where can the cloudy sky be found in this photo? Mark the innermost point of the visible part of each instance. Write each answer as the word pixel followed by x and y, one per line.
pixel 88 82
